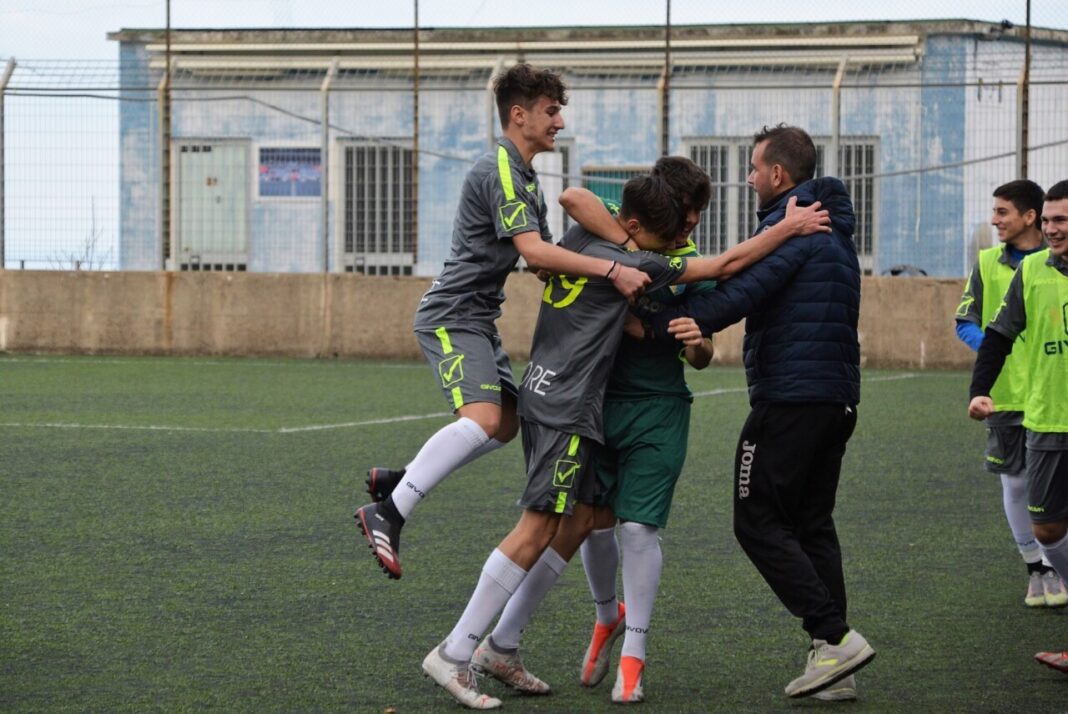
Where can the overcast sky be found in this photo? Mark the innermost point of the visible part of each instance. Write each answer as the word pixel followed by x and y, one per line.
pixel 77 29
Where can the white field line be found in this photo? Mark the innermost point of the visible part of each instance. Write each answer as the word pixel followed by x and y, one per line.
pixel 129 427
pixel 735 390
pixel 341 425
pixel 222 430
pixel 106 362
pixel 369 422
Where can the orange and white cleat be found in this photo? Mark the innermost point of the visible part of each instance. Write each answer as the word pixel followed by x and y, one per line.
pixel 1054 660
pixel 598 654
pixel 628 686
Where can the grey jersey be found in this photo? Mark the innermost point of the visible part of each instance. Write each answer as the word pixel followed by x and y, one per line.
pixel 580 325
pixel 500 198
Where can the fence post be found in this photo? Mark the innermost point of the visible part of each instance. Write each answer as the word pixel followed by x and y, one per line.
pixel 1023 100
pixel 4 79
pixel 664 88
pixel 830 162
pixel 163 100
pixel 491 104
pixel 324 162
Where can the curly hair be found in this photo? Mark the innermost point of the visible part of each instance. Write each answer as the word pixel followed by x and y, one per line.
pixel 523 85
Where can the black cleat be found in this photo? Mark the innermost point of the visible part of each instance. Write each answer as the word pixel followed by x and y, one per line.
pixel 381 482
pixel 383 535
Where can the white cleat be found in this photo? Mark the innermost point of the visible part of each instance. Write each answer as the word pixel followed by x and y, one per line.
pixel 507 668
pixel 457 679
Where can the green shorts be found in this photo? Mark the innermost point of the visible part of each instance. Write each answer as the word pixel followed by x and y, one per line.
pixel 645 448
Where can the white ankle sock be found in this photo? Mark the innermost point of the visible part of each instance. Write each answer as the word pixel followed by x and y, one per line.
pixel 642 565
pixel 521 606
pixel 600 559
pixel 448 449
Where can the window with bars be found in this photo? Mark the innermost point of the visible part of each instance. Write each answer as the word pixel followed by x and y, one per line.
pixel 731 215
pixel 379 204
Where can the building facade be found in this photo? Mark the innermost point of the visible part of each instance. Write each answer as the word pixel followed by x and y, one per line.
pixel 313 150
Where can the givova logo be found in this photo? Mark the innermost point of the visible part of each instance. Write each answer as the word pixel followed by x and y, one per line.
pixel 451 370
pixel 1058 347
pixel 565 473
pixel 675 263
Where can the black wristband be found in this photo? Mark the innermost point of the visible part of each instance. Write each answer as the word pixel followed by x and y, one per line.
pixel 607 276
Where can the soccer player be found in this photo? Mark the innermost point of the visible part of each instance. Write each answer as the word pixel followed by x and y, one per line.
pixel 501 216
pixel 1037 301
pixel 1017 213
pixel 802 361
pixel 646 426
pixel 579 327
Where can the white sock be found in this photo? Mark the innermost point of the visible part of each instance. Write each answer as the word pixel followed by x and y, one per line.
pixel 642 564
pixel 448 449
pixel 600 559
pixel 499 579
pixel 1057 553
pixel 521 606
pixel 1014 499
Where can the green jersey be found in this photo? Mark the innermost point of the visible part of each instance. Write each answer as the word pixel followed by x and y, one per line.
pixel 1037 301
pixel 986 285
pixel 651 368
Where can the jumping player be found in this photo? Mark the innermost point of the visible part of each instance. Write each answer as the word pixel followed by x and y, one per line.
pixel 501 216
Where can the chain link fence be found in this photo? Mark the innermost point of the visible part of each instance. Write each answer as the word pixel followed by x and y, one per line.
pixel 312 162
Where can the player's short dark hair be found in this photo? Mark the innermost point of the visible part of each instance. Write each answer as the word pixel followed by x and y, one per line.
pixel 523 85
pixel 1058 191
pixel 655 204
pixel 789 147
pixel 1023 194
pixel 687 179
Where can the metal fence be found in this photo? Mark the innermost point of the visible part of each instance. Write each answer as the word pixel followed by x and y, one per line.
pixel 322 166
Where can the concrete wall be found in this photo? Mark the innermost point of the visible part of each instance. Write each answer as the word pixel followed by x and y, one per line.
pixel 905 322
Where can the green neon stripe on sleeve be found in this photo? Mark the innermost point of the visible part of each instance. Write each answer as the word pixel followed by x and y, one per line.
pixel 457 398
pixel 505 170
pixel 446 343
pixel 561 502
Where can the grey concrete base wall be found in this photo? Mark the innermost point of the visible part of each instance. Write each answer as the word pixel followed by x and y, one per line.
pixel 904 322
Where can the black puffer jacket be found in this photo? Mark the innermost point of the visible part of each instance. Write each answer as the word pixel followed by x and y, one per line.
pixel 802 303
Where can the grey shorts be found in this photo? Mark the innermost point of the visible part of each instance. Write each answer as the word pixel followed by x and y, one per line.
pixel 559 469
pixel 1047 486
pixel 470 366
pixel 1005 450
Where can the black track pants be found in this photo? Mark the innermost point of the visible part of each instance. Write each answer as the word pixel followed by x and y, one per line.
pixel 786 473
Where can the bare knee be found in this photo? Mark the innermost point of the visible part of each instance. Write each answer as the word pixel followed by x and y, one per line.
pixel 498 421
pixel 1050 533
pixel 530 537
